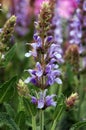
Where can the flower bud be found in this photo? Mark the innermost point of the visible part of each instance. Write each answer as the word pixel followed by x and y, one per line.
pixel 44 18
pixel 22 88
pixel 72 57
pixel 7 30
pixel 71 100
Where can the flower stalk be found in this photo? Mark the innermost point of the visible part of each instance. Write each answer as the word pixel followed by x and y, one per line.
pixel 41 119
pixel 33 123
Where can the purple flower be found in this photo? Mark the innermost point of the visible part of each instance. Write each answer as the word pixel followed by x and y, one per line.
pixel 50 101
pixel 52 75
pixel 84 5
pixel 49 39
pixel 35 74
pixel 20 9
pixel 43 101
pixel 75 31
pixel 36 45
pixel 39 71
pixel 55 53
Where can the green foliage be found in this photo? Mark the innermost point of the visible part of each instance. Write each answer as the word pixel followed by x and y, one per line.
pixel 60 106
pixel 6 120
pixel 9 55
pixel 78 125
pixel 29 107
pixel 21 120
pixel 7 89
pixel 10 111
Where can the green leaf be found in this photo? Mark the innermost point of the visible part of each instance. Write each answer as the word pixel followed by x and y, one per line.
pixel 10 111
pixel 60 104
pixel 30 108
pixel 78 125
pixel 7 89
pixel 9 55
pixel 21 120
pixel 58 111
pixel 6 120
pixel 70 74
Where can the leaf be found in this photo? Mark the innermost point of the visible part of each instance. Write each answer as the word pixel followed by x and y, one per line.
pixel 21 120
pixel 30 108
pixel 78 125
pixel 5 119
pixel 10 111
pixel 70 74
pixel 60 104
pixel 7 89
pixel 9 55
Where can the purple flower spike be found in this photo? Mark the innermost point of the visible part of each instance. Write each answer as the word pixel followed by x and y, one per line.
pixel 84 5
pixel 46 51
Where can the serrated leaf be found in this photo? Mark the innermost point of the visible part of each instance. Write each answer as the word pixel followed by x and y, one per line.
pixel 78 125
pixel 7 89
pixel 5 119
pixel 30 108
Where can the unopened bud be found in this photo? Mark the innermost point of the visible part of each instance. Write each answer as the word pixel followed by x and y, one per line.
pixel 71 100
pixel 22 88
pixel 8 30
pixel 44 18
pixel 72 57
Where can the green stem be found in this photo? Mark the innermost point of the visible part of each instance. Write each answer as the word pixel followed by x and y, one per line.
pixel 41 120
pixel 57 118
pixel 60 90
pixel 33 123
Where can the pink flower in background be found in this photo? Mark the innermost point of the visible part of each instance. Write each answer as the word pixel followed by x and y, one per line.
pixel 37 6
pixel 66 8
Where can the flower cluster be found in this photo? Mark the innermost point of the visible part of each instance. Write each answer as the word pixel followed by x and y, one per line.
pixel 78 24
pixel 47 56
pixel 82 18
pixel 47 68
pixel 75 33
pixel 43 101
pixel 57 31
pixel 77 29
